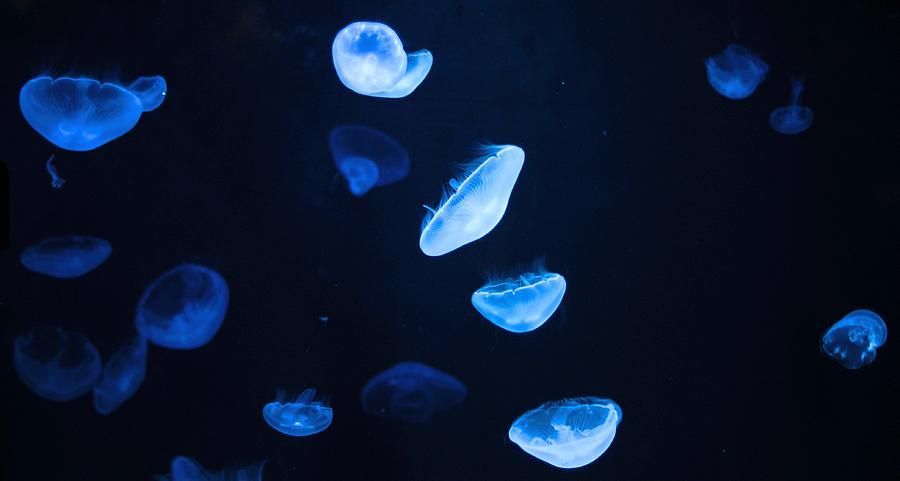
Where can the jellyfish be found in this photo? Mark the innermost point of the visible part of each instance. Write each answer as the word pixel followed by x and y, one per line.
pixel 66 257
pixel 476 204
pixel 78 113
pixel 122 375
pixel 55 180
pixel 188 469
pixel 411 392
pixel 370 60
pixel 151 91
pixel 736 72
pixel 183 308
pixel 56 364
pixel 793 118
pixel 304 416
pixel 523 303
pixel 367 158
pixel 852 341
pixel 569 433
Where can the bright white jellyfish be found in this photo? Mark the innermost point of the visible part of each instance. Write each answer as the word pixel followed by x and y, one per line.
pixel 477 203
pixel 369 60
pixel 523 303
pixel 852 341
pixel 569 433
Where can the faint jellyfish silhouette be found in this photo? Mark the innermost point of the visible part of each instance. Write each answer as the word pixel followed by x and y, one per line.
pixel 367 158
pixel 183 308
pixel 793 118
pixel 852 341
pixel 569 433
pixel 151 91
pixel 55 180
pixel 411 392
pixel 188 469
pixel 56 364
pixel 304 416
pixel 370 60
pixel 523 303
pixel 66 257
pixel 122 375
pixel 476 204
pixel 736 72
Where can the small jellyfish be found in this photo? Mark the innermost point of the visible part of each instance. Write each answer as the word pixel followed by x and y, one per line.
pixel 736 72
pixel 411 392
pixel 188 469
pixel 852 341
pixel 183 308
pixel 56 364
pixel 476 204
pixel 523 303
pixel 66 257
pixel 370 60
pixel 55 180
pixel 151 91
pixel 305 416
pixel 569 433
pixel 793 118
pixel 122 375
pixel 367 158
pixel 78 113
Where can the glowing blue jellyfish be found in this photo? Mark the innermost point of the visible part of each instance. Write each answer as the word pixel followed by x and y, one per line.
pixel 183 308
pixel 736 72
pixel 55 180
pixel 793 118
pixel 367 158
pixel 66 257
pixel 477 203
pixel 56 364
pixel 569 433
pixel 78 113
pixel 852 341
pixel 122 375
pixel 188 469
pixel 305 416
pixel 411 392
pixel 523 303
pixel 151 91
pixel 370 60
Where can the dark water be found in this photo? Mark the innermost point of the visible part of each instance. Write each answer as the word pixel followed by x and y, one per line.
pixel 705 253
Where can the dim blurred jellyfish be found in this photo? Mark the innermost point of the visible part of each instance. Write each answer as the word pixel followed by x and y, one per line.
pixel 370 60
pixel 793 118
pixel 183 308
pixel 476 204
pixel 56 364
pixel 736 72
pixel 569 433
pixel 151 91
pixel 122 375
pixel 411 392
pixel 852 341
pixel 523 303
pixel 55 180
pixel 367 158
pixel 304 416
pixel 188 469
pixel 66 257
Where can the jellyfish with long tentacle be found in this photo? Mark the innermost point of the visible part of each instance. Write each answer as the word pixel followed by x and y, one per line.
pixel 853 340
pixel 522 303
pixel 736 72
pixel 66 257
pixel 56 364
pixel 55 180
pixel 122 375
pixel 306 415
pixel 367 158
pixel 151 91
pixel 794 118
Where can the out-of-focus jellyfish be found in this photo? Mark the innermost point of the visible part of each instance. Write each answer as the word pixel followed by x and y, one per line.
pixel 78 113
pixel 305 416
pixel 411 392
pixel 476 204
pixel 151 91
pixel 56 364
pixel 852 341
pixel 188 469
pixel 736 72
pixel 55 180
pixel 523 303
pixel 793 118
pixel 367 158
pixel 569 433
pixel 122 375
pixel 370 60
pixel 183 308
pixel 66 257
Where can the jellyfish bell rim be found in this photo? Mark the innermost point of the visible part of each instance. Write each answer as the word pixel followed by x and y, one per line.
pixel 853 319
pixel 418 65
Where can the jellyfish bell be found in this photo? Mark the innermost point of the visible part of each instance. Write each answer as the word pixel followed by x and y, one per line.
pixel 55 363
pixel 151 91
pixel 854 339
pixel 794 118
pixel 122 375
pixel 66 257
pixel 306 415
pixel 367 158
pixel 189 469
pixel 735 72
pixel 522 303
pixel 412 393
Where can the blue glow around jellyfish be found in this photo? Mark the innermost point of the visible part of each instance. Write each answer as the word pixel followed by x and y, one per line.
pixel 522 303
pixel 569 433
pixel 151 91
pixel 370 60
pixel 188 469
pixel 183 308
pixel 122 375
pixel 852 341
pixel 794 118
pixel 304 416
pixel 411 392
pixel 78 113
pixel 736 72
pixel 66 257
pixel 56 364
pixel 367 158
pixel 476 204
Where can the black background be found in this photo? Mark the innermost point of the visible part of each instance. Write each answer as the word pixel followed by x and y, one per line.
pixel 705 253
